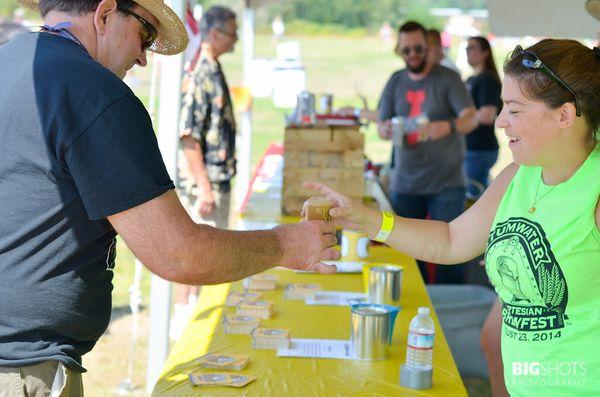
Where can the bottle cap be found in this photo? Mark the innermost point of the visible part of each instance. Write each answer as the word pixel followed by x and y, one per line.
pixel 423 310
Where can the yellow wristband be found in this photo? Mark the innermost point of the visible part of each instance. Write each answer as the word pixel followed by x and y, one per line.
pixel 387 225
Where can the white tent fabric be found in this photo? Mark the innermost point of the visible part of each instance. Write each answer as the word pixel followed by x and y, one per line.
pixel 548 18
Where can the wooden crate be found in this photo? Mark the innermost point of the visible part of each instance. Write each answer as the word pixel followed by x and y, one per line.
pixel 329 154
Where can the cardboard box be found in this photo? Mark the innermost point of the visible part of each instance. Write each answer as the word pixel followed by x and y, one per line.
pixel 328 154
pixel 271 338
pixel 255 308
pixel 240 324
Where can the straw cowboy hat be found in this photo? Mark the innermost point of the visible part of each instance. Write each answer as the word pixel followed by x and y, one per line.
pixel 172 36
pixel 593 7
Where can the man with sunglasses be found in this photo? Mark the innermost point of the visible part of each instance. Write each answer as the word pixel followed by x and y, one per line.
pixel 208 140
pixel 79 163
pixel 426 177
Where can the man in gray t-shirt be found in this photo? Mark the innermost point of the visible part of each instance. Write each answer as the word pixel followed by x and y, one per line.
pixel 426 177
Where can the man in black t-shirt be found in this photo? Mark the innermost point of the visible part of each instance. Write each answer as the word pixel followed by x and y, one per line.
pixel 79 163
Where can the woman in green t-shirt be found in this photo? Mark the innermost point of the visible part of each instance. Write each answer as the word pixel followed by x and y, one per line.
pixel 537 222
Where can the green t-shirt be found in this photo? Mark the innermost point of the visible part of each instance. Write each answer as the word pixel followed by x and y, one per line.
pixel 545 266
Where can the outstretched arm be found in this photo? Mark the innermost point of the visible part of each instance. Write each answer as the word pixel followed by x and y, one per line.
pixel 439 242
pixel 171 245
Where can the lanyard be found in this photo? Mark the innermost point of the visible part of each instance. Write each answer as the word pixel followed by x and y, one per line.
pixel 61 30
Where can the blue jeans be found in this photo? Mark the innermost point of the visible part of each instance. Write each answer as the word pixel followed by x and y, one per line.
pixel 443 206
pixel 477 169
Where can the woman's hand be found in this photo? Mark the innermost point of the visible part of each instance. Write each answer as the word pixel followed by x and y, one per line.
pixel 346 213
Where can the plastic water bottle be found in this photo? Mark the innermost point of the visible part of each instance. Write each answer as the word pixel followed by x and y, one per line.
pixel 420 341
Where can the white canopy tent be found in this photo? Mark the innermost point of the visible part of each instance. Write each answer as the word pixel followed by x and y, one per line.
pixel 513 18
pixel 548 18
pixel 168 141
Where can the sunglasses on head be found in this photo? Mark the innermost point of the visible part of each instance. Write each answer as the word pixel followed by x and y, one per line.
pixel 148 33
pixel 531 61
pixel 418 49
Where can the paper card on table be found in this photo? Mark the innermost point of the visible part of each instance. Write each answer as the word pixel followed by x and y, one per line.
pixel 335 298
pixel 300 291
pixel 236 297
pixel 220 379
pixel 319 348
pixel 224 361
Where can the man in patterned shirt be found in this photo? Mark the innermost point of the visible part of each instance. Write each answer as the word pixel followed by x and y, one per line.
pixel 208 140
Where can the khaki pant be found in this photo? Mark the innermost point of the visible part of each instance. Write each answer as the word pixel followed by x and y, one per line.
pixel 47 379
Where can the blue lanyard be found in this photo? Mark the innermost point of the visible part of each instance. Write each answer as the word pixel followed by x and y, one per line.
pixel 61 30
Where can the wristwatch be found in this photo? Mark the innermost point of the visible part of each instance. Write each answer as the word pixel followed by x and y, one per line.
pixel 452 126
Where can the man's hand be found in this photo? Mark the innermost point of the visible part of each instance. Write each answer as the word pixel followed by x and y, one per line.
pixel 384 128
pixel 207 202
pixel 306 244
pixel 436 130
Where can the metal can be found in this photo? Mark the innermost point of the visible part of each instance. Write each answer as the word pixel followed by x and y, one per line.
pixel 326 103
pixel 305 109
pixel 397 131
pixel 385 285
pixel 371 328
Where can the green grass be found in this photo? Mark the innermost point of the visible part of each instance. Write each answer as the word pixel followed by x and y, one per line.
pixel 344 66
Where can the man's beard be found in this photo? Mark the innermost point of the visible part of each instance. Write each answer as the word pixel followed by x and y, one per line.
pixel 419 68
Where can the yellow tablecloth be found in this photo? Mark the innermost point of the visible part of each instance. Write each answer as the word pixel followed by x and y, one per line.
pixel 278 376
pixel 303 377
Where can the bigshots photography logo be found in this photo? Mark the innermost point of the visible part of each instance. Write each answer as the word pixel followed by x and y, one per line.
pixel 549 374
pixel 535 291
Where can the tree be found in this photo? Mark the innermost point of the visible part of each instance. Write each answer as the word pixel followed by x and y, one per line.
pixel 7 8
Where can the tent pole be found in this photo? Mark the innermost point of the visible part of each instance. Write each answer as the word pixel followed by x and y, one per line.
pixel 168 141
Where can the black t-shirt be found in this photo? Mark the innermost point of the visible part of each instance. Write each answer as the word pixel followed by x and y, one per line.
pixel 76 146
pixel 485 91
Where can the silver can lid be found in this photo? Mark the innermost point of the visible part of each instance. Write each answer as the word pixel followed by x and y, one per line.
pixel 386 269
pixel 370 310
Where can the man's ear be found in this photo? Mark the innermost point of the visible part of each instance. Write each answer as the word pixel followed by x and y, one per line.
pixel 212 34
pixel 105 8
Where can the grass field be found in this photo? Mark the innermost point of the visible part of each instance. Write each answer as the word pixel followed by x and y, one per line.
pixel 342 66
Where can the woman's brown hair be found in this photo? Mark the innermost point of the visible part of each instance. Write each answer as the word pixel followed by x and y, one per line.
pixel 490 65
pixel 577 65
